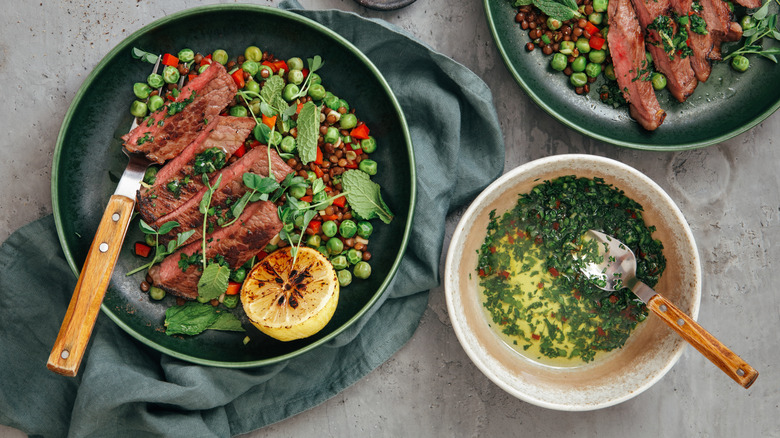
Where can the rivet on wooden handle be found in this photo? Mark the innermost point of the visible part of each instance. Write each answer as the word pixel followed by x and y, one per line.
pixel 702 340
pixel 76 329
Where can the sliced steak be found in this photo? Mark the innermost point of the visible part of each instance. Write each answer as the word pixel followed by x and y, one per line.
pixel 627 47
pixel 750 4
pixel 231 188
pixel 164 135
pixel 179 180
pixel 238 243
pixel 701 44
pixel 720 25
pixel 680 78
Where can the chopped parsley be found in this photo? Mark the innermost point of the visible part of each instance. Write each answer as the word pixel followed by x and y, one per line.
pixel 210 160
pixel 146 138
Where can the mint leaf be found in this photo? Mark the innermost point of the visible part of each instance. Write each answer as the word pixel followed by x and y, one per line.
pixel 364 196
pixel 190 319
pixel 308 130
pixel 213 282
pixel 272 87
pixel 228 322
pixel 560 10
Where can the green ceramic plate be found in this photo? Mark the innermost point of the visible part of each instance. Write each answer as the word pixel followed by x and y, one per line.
pixel 88 161
pixel 728 104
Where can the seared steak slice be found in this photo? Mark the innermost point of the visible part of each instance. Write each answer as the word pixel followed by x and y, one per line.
pixel 680 78
pixel 701 44
pixel 238 243
pixel 179 180
pixel 164 135
pixel 231 188
pixel 627 47
pixel 720 25
pixel 750 4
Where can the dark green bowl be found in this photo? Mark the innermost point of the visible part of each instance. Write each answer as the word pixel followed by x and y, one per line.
pixel 728 104
pixel 88 161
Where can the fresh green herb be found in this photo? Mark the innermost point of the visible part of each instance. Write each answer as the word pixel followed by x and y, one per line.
pixel 561 10
pixel 160 252
pixel 308 131
pixel 213 281
pixel 210 160
pixel 260 190
pixel 151 58
pixel 673 43
pixel 193 318
pixel 177 107
pixel 765 26
pixel 146 138
pixel 698 25
pixel 314 65
pixel 364 196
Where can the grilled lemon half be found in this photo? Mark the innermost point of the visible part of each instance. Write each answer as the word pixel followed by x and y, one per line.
pixel 290 302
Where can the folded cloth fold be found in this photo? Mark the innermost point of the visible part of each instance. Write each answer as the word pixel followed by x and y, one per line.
pixel 126 389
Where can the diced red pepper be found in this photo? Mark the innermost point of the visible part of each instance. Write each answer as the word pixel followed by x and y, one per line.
pixel 307 198
pixel 299 108
pixel 305 72
pixel 281 65
pixel 261 255
pixel 314 227
pixel 600 331
pixel 206 60
pixel 554 272
pixel 240 151
pixel 233 288
pixel 269 121
pixel 341 201
pixel 271 65
pixel 318 159
pixel 142 249
pixel 360 132
pixel 317 171
pixel 535 336
pixel 351 165
pixel 591 28
pixel 596 43
pixel 191 76
pixel 169 59
pixel 238 78
pixel 253 144
pixel 613 299
pixel 329 217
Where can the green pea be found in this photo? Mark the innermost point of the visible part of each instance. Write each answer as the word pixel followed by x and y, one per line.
pixel 316 91
pixel 659 81
pixel 339 262
pixel 141 90
pixel 170 74
pixel 295 63
pixel 253 53
pixel 747 22
pixel 295 77
pixel 582 45
pixel 348 121
pixel 220 56
pixel 230 301
pixel 138 108
pixel 297 192
pixel 368 166
pixel 559 62
pixel 321 200
pixel 553 24
pixel 251 67
pixel 362 270
pixel 365 229
pixel 604 32
pixel 310 176
pixel 649 57
pixel 323 249
pixel 609 72
pixel 254 105
pixel 238 111
pixel 238 275
pixel 314 78
pixel 275 139
pixel 368 145
pixel 596 18
pixel 252 86
pixel 290 91
pixel 150 175
pixel 186 55
pixel 288 144
pixel 740 63
pixel 314 241
pixel 597 56
pixel 202 68
pixel 600 5
pixel 354 256
pixel 156 293
pixel 579 63
pixel 348 228
pixel 329 228
pixel 566 47
pixel 331 101
pixel 331 135
pixel 155 81
pixel 150 239
pixel 155 103
pixel 288 227
pixel 593 70
pixel 335 245
pixel 578 79
pixel 345 277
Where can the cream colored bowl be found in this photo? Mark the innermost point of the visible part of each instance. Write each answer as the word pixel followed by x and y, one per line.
pixel 651 350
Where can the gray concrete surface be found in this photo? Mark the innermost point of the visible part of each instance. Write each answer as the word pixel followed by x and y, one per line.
pixel 730 194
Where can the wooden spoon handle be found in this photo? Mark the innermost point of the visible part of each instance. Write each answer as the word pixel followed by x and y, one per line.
pixel 703 341
pixel 83 309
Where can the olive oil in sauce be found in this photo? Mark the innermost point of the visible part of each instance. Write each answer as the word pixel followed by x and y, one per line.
pixel 532 293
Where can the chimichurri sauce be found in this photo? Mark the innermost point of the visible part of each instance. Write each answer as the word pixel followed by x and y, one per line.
pixel 532 289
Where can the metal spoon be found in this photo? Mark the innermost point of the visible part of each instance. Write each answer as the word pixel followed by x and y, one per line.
pixel 617 269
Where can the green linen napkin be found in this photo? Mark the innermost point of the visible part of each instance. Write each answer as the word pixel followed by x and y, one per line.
pixel 127 389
